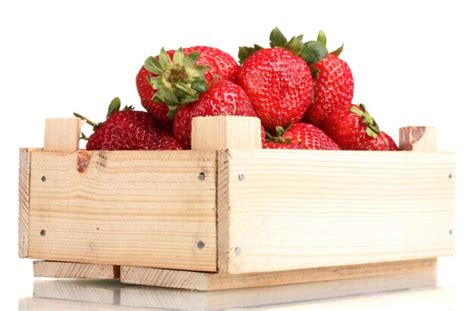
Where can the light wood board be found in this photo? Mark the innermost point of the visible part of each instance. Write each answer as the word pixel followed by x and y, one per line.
pixel 219 281
pixel 56 269
pixel 24 202
pixel 127 207
pixel 305 209
pixel 75 294
pixel 62 134
pixel 155 297
pixel 226 132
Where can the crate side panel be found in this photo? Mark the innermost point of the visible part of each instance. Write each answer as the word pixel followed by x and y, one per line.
pixel 303 209
pixel 24 202
pixel 127 208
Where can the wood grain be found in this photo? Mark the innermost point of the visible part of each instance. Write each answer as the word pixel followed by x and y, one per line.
pixel 223 132
pixel 24 202
pixel 127 208
pixel 168 299
pixel 62 134
pixel 220 281
pixel 307 209
pixel 72 270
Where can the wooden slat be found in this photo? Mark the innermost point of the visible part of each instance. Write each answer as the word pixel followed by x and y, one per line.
pixel 127 208
pixel 72 270
pixel 223 132
pixel 62 134
pixel 304 209
pixel 220 281
pixel 155 297
pixel 24 202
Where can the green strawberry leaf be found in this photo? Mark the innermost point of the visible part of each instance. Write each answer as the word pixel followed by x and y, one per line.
pixel 295 45
pixel 279 130
pixel 322 37
pixel 277 39
pixel 246 51
pixel 314 71
pixel 199 85
pixel 178 57
pixel 338 51
pixel 191 58
pixel 313 52
pixel 113 107
pixel 165 60
pixel 152 65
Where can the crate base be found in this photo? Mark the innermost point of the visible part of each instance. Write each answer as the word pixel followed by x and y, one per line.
pixel 216 281
pixel 103 295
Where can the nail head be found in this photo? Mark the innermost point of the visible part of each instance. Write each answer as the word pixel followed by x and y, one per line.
pixel 43 232
pixel 202 176
pixel 201 244
pixel 241 177
pixel 43 178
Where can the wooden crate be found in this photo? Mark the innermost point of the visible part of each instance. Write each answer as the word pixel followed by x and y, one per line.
pixel 228 214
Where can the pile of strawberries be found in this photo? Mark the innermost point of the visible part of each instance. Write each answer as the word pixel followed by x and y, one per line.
pixel 301 92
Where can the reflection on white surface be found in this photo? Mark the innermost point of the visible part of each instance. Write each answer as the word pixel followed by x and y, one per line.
pixel 412 291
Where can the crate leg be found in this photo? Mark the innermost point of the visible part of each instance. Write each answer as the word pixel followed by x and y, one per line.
pixel 220 281
pixel 56 269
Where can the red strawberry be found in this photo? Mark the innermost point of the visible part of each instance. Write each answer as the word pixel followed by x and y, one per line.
pixel 333 88
pixel 129 130
pixel 333 83
pixel 353 128
pixel 273 145
pixel 220 65
pixel 278 84
pixel 306 135
pixel 222 98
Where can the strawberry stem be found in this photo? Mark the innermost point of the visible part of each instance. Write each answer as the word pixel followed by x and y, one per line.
pixel 88 121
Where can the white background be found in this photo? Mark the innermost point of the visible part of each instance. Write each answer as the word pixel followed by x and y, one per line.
pixel 413 64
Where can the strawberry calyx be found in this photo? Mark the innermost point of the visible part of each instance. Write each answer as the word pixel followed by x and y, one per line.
pixel 279 132
pixel 311 51
pixel 177 81
pixel 372 128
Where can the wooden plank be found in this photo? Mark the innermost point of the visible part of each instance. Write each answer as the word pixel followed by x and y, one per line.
pixel 223 132
pixel 73 270
pixel 153 208
pixel 62 134
pixel 156 297
pixel 24 202
pixel 417 138
pixel 220 281
pixel 293 209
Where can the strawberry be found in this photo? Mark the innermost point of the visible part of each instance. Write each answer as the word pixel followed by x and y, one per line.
pixel 222 98
pixel 128 130
pixel 353 128
pixel 192 69
pixel 332 78
pixel 278 84
pixel 305 135
pixel 273 145
pixel 333 88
